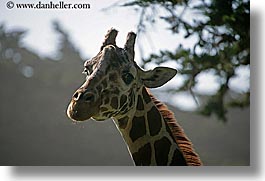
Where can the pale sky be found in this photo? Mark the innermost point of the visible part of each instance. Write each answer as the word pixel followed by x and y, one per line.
pixel 87 28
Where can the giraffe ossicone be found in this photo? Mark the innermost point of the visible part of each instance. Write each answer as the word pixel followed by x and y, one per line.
pixel 117 88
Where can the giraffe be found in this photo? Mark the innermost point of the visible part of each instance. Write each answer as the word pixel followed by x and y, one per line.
pixel 117 88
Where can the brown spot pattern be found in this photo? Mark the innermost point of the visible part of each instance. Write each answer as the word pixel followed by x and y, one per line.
pixel 124 109
pixel 99 88
pixel 104 83
pixel 178 159
pixel 162 148
pixel 146 96
pixel 143 156
pixel 106 101
pixel 131 95
pixel 113 77
pixel 138 128
pixel 123 99
pixel 103 109
pixel 154 121
pixel 114 102
pixel 184 144
pixel 140 104
pixel 123 122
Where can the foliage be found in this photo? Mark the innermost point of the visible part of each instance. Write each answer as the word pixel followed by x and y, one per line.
pixel 222 31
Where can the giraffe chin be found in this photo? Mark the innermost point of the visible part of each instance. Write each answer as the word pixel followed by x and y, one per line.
pixel 77 113
pixel 77 116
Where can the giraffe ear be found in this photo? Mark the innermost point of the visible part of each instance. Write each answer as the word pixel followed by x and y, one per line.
pixel 157 77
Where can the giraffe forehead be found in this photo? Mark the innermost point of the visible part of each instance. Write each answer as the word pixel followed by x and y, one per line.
pixel 107 69
pixel 110 68
pixel 110 57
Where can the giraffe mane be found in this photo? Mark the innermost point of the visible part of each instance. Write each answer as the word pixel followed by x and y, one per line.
pixel 185 145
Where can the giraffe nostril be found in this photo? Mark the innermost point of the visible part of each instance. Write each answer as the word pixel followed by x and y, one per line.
pixel 76 95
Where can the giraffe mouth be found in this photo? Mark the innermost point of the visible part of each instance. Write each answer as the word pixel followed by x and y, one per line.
pixel 76 115
pixel 80 112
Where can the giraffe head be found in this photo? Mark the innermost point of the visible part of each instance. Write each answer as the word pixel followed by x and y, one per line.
pixel 113 80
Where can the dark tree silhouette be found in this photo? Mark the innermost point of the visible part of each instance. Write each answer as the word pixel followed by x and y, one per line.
pixel 222 46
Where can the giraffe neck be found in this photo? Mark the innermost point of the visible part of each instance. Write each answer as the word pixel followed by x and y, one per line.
pixel 148 136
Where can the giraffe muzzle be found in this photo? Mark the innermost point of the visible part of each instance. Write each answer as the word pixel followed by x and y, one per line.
pixel 83 96
pixel 83 105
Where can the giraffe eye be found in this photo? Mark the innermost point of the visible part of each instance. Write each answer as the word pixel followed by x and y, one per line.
pixel 86 72
pixel 127 77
